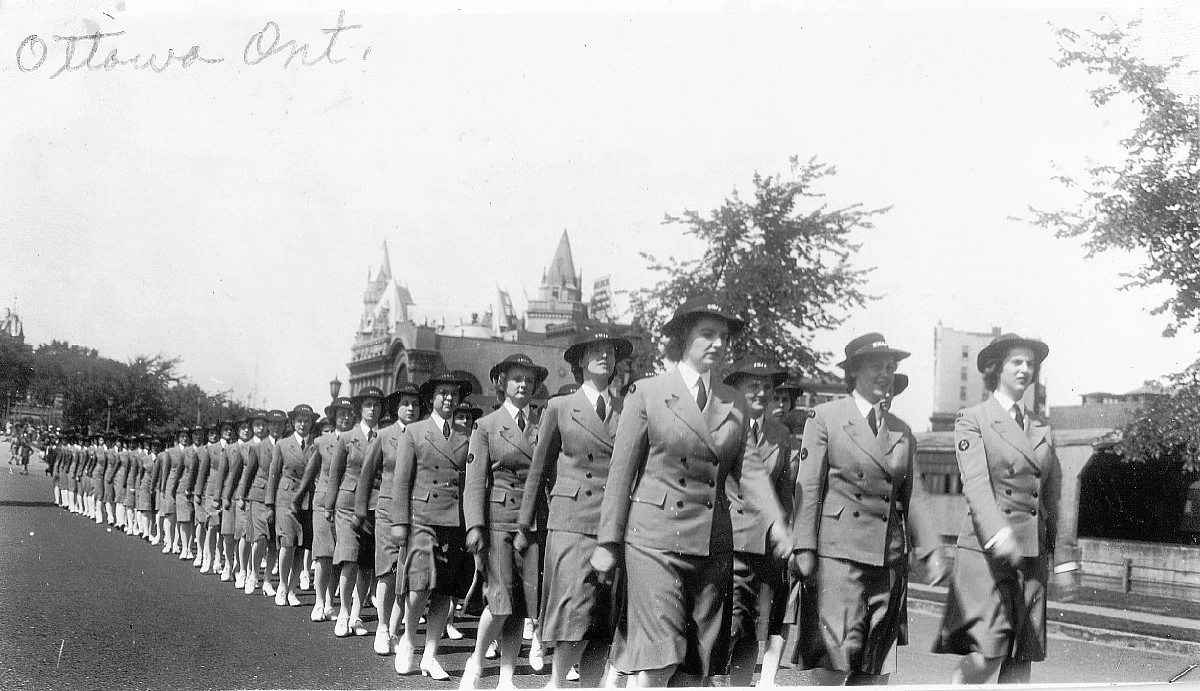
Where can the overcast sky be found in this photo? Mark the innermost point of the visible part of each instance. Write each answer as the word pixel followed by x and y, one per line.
pixel 228 213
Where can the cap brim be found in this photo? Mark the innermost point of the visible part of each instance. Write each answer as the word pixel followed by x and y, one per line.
pixel 897 355
pixel 675 325
pixel 622 349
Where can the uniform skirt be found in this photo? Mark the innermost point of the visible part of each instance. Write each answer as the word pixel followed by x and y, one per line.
pixel 436 559
pixel 856 616
pixel 184 510
pixel 241 521
pixel 354 544
pixel 759 595
pixel 678 611
pixel 994 609
pixel 387 547
pixel 575 605
pixel 262 521
pixel 166 504
pixel 200 510
pixel 294 527
pixel 110 491
pixel 228 519
pixel 324 537
pixel 145 499
pixel 130 497
pixel 511 585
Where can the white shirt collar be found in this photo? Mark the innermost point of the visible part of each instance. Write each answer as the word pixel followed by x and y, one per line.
pixel 513 410
pixel 865 406
pixel 592 393
pixel 437 419
pixel 366 430
pixel 1005 401
pixel 691 376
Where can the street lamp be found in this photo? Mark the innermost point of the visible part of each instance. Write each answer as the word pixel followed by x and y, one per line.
pixel 335 387
pixel 108 422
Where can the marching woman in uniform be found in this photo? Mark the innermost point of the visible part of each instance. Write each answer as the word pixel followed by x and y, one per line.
pixel 120 475
pixel 759 586
pixel 373 501
pixel 291 501
pixel 173 463
pixel 666 506
pixel 354 552
pixel 233 527
pixel 570 464
pixel 426 515
pixel 858 496
pixel 497 466
pixel 184 508
pixel 211 499
pixel 996 608
pixel 146 495
pixel 341 411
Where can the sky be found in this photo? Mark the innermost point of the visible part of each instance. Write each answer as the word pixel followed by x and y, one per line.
pixel 228 213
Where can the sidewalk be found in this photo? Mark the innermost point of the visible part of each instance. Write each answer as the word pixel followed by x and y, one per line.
pixel 1144 622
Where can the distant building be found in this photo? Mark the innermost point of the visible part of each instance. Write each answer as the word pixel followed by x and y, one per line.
pixel 957 382
pixel 400 341
pixel 1106 410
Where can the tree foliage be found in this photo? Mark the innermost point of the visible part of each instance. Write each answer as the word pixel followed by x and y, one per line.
pixel 1166 430
pixel 780 261
pixel 1150 202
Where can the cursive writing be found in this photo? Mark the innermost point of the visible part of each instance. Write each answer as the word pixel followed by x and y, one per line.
pixel 266 44
pixel 34 51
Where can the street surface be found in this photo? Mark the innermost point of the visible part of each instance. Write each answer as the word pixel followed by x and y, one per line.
pixel 87 607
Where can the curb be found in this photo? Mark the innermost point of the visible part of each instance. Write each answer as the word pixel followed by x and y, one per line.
pixel 1113 628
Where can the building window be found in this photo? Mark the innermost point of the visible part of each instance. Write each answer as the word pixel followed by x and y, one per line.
pixel 962 393
pixel 964 374
pixel 966 353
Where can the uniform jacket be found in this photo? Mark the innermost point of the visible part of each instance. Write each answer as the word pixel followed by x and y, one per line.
pixel 253 485
pixel 857 493
pixel 774 450
pixel 319 463
pixel 346 468
pixel 214 478
pixel 1010 478
pixel 666 488
pixel 110 465
pixel 285 479
pixel 430 474
pixel 174 463
pixel 121 472
pixel 191 464
pixel 497 466
pixel 571 464
pixel 378 471
pixel 237 456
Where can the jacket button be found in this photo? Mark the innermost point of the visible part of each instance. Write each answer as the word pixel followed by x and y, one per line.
pixel 740 511
pixel 587 474
pixel 435 467
pixel 1035 495
pixel 589 456
pixel 679 504
pixel 682 460
pixel 454 496
pixel 856 514
pixel 1008 511
pixel 740 496
pixel 1008 491
pixel 435 495
pixel 883 518
pixel 588 493
pixel 860 474
pixel 708 504
pixel 1033 512
pixel 886 498
pixel 1037 473
pixel 683 482
pixel 858 495
pixel 712 483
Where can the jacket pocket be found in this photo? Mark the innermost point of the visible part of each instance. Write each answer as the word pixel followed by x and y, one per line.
pixel 652 498
pixel 420 496
pixel 834 512
pixel 565 489
pixel 498 496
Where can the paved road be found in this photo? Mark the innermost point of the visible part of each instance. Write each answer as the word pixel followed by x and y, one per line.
pixel 126 616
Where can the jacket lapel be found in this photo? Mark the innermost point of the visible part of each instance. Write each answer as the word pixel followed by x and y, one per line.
pixel 860 433
pixel 680 402
pixel 1007 428
pixel 514 436
pixel 1036 434
pixel 585 416
pixel 719 406
pixel 444 446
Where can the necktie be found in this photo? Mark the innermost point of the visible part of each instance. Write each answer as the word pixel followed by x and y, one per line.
pixel 873 422
pixel 754 431
pixel 302 444
pixel 446 429
pixel 1018 416
pixel 601 410
pixel 521 420
pixel 701 394
pixel 370 435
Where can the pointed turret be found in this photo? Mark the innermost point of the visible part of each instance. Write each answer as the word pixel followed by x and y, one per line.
pixel 385 269
pixel 562 267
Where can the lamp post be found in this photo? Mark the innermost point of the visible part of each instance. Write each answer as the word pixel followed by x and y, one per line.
pixel 108 422
pixel 335 387
pixel 199 407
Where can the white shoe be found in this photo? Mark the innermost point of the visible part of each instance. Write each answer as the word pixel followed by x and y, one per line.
pixel 573 673
pixel 166 549
pixel 251 585
pixel 318 614
pixel 304 580
pixel 404 655
pixel 206 568
pixel 268 589
pixel 293 600
pixel 342 628
pixel 527 632
pixel 453 633
pixel 239 581
pixel 383 642
pixel 471 674
pixel 492 651
pixel 198 561
pixel 359 629
pixel 431 668
pixel 280 597
pixel 537 659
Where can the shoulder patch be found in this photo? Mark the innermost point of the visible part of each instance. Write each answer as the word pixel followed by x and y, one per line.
pixel 803 454
pixel 470 457
pixel 963 445
pixel 812 413
pixel 474 425
pixel 959 415
pixel 632 388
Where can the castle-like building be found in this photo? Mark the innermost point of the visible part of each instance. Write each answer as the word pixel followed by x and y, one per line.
pixel 400 341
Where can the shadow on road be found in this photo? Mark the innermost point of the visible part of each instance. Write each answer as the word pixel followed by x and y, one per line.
pixel 14 502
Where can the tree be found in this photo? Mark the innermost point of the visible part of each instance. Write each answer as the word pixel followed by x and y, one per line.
pixel 781 262
pixel 1167 429
pixel 1151 202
